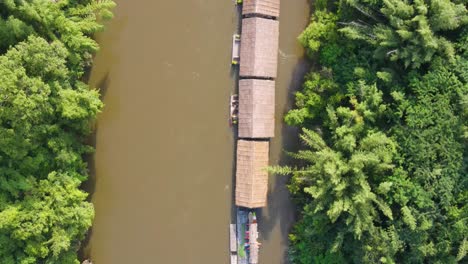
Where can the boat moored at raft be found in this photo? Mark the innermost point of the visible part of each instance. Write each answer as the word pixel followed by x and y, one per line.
pixel 234 109
pixel 235 57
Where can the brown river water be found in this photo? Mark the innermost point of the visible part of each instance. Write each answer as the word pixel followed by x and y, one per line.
pixel 162 174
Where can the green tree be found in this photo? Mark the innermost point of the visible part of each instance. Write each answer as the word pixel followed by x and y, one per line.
pixel 318 90
pixel 47 224
pixel 71 22
pixel 46 112
pixel 341 180
pixel 411 32
pixel 44 120
pixel 12 31
pixel 431 124
pixel 414 209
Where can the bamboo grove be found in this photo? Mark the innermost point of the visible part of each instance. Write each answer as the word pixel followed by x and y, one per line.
pixel 381 176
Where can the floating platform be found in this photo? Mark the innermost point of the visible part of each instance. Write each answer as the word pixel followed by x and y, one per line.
pixel 233 258
pixel 233 236
pixel 253 239
pixel 247 236
pixel 242 221
pixel 234 109
pixel 235 49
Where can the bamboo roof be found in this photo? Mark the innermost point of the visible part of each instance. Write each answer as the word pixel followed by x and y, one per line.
pixel 256 108
pixel 251 174
pixel 259 48
pixel 262 7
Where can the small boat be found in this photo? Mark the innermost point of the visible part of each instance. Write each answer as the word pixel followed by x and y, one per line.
pixel 235 49
pixel 252 218
pixel 234 109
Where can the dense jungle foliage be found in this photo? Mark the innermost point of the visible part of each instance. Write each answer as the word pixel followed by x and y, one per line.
pixel 46 112
pixel 382 174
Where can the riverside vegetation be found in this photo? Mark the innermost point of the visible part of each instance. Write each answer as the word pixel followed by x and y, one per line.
pixel 46 114
pixel 382 174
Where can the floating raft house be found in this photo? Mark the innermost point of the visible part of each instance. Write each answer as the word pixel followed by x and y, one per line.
pixel 256 108
pixel 251 174
pixel 259 48
pixel 258 63
pixel 268 8
pixel 258 70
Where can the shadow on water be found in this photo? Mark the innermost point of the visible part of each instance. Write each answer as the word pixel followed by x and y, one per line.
pixel 235 90
pixel 90 185
pixel 280 208
pixel 103 85
pixel 234 73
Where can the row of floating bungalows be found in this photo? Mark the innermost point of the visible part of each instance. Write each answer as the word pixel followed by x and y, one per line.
pixel 258 70
pixel 258 64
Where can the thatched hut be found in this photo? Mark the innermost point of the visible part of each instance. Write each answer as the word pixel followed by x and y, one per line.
pixel 251 174
pixel 259 48
pixel 269 8
pixel 256 108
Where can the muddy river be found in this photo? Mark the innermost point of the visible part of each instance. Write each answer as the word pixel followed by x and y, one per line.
pixel 163 168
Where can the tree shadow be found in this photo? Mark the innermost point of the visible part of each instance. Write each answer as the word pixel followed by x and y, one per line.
pixel 103 86
pixel 90 184
pixel 234 73
pixel 280 208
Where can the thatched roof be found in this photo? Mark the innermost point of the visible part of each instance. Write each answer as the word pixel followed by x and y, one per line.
pixel 251 174
pixel 259 48
pixel 263 7
pixel 256 108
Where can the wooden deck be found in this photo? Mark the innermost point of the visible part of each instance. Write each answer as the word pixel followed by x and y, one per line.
pixel 235 48
pixel 247 234
pixel 254 245
pixel 233 236
pixel 242 221
pixel 234 109
pixel 233 258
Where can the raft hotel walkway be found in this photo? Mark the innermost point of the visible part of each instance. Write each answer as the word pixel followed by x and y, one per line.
pixel 256 125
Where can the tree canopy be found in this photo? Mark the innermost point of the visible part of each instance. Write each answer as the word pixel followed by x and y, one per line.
pixel 46 114
pixel 381 176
